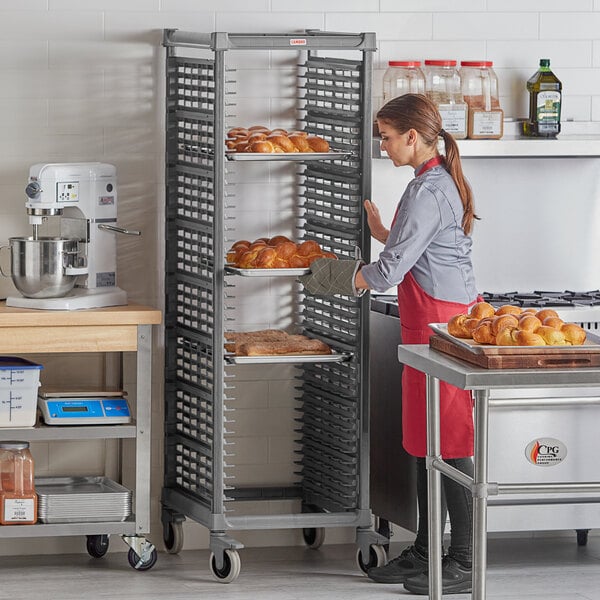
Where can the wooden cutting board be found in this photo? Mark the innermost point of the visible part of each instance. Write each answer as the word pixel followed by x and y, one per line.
pixel 499 357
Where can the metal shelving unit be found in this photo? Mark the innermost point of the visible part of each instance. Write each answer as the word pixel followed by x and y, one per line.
pixel 123 329
pixel 332 479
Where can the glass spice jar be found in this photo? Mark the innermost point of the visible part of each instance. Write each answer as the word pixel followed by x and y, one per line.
pixel 480 91
pixel 18 500
pixel 442 86
pixel 403 77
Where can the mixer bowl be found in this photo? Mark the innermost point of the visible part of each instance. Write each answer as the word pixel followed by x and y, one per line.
pixel 38 266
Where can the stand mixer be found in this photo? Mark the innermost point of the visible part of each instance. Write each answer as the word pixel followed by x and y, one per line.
pixel 84 197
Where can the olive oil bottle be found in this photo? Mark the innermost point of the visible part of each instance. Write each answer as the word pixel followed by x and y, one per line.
pixel 545 99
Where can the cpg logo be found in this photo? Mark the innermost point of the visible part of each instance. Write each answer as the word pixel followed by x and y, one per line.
pixel 545 452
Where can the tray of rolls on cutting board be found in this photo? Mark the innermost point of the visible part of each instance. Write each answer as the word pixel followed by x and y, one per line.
pixel 510 337
pixel 274 256
pixel 260 143
pixel 277 346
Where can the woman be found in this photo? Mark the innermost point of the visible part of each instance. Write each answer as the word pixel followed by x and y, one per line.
pixel 427 255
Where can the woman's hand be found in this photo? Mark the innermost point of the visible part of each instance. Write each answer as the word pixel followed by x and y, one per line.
pixel 378 231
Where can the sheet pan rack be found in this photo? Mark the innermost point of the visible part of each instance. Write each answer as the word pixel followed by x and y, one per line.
pixel 330 474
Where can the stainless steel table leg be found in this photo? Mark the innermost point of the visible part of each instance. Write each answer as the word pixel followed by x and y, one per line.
pixel 434 490
pixel 143 421
pixel 480 498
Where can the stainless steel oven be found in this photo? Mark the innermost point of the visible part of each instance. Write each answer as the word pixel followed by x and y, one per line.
pixel 551 437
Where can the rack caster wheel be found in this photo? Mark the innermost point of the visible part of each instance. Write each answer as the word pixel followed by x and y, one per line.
pixel 97 545
pixel 377 558
pixel 173 537
pixel 142 565
pixel 230 569
pixel 582 536
pixel 314 536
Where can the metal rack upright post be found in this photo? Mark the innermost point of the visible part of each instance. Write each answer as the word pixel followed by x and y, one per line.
pixel 333 415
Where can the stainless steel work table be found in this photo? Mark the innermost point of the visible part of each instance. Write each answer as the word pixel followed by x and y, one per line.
pixel 438 366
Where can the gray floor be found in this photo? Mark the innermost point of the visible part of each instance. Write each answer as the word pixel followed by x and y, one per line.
pixel 523 569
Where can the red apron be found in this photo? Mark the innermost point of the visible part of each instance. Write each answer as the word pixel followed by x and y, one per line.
pixel 417 309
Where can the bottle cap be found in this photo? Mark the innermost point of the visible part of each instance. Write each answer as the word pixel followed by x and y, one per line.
pixel 544 62
pixel 404 63
pixel 477 63
pixel 14 445
pixel 441 63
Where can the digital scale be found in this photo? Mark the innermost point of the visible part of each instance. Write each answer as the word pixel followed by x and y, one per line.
pixel 84 408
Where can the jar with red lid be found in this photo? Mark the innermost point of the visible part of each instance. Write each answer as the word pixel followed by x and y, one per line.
pixel 403 77
pixel 480 90
pixel 442 85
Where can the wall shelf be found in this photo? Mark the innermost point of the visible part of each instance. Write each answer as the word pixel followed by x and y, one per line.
pixel 577 138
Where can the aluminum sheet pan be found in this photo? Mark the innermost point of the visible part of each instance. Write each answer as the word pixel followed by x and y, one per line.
pixel 81 499
pixel 297 156
pixel 50 486
pixel 287 358
pixel 266 272
pixel 592 343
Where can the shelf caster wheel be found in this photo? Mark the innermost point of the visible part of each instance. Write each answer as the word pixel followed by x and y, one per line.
pixel 97 545
pixel 140 564
pixel 230 569
pixel 173 537
pixel 582 536
pixel 377 558
pixel 314 536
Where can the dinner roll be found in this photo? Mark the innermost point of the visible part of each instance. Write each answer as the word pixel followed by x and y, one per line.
pixel 480 310
pixel 555 322
pixel 529 322
pixel 528 338
pixel 552 337
pixel 509 309
pixel 574 334
pixel 545 312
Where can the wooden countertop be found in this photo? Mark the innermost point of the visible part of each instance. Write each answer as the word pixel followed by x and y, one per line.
pixel 131 314
pixel 109 329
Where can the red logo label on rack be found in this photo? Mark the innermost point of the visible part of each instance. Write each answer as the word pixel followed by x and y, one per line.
pixel 298 42
pixel 545 452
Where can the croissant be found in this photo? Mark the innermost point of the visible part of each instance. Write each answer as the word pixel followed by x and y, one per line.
pixel 457 328
pixel 317 144
pixel 277 252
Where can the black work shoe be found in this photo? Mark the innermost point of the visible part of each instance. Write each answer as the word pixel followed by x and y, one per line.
pixel 399 569
pixel 456 579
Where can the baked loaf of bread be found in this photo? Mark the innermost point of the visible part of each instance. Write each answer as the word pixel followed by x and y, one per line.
pixel 512 326
pixel 278 252
pixel 273 342
pixel 260 139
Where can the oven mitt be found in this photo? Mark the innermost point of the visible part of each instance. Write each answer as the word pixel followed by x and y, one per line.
pixel 329 276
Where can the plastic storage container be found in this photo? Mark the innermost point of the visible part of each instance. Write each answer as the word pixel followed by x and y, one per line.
pixel 442 85
pixel 18 500
pixel 480 91
pixel 403 77
pixel 19 383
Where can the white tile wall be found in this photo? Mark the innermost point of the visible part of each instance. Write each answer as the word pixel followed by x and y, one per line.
pixel 84 81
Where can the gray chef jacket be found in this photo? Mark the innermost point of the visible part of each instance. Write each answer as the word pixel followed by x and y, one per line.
pixel 426 238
